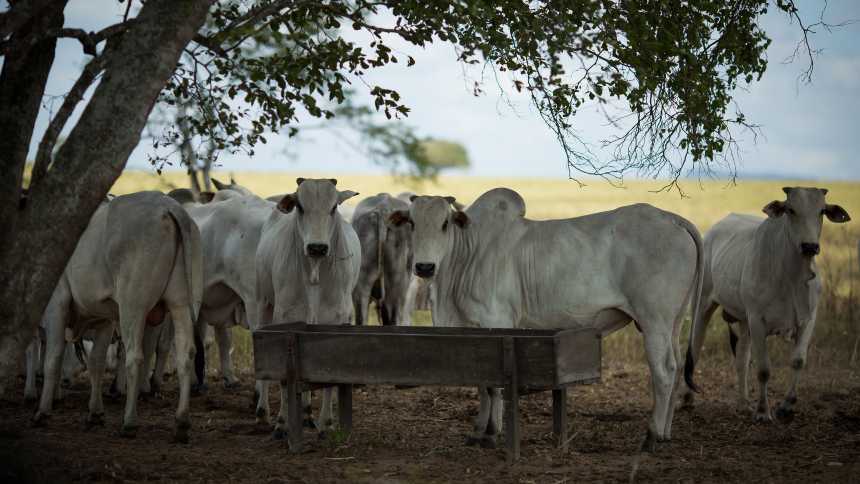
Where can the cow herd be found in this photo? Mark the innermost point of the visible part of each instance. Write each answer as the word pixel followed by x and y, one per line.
pixel 157 268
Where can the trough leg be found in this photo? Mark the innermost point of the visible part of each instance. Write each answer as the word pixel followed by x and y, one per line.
pixel 294 416
pixel 344 407
pixel 559 417
pixel 512 403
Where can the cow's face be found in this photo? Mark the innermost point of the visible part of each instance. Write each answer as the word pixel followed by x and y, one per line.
pixel 315 203
pixel 803 209
pixel 433 222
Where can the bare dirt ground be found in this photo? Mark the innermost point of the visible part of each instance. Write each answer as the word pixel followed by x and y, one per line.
pixel 417 435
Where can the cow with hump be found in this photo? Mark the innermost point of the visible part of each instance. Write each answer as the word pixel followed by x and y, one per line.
pixel 138 260
pixel 385 254
pixel 492 267
pixel 308 262
pixel 762 272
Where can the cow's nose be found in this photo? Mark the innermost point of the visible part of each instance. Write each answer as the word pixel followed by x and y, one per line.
pixel 425 269
pixel 810 249
pixel 317 250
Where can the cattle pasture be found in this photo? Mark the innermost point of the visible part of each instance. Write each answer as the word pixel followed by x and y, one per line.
pixel 418 434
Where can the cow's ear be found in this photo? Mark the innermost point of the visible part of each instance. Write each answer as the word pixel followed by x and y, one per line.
pixel 774 208
pixel 288 203
pixel 219 185
pixel 823 191
pixel 299 180
pixel 836 214
pixel 333 181
pixel 398 218
pixel 450 200
pixel 345 195
pixel 412 198
pixel 461 219
pixel 786 190
pixel 206 197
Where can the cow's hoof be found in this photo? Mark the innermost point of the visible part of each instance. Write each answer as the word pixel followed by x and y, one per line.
pixel 649 445
pixel 231 384
pixel 199 389
pixel 279 434
pixel 309 423
pixel 94 420
pixel 472 441
pixel 128 431
pixel 784 414
pixel 261 413
pixel 762 417
pixel 487 442
pixel 155 388
pixel 39 419
pixel 182 430
pixel 30 399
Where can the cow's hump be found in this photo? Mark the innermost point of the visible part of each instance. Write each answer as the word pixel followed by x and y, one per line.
pixel 498 203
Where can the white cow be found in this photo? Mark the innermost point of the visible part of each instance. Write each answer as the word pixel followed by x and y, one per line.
pixel 230 228
pixel 492 267
pixel 763 273
pixel 308 263
pixel 138 259
pixel 386 251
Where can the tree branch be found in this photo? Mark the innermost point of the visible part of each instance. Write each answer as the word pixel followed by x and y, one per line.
pixel 49 139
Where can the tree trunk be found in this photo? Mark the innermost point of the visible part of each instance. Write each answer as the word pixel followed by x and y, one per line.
pixel 87 165
pixel 22 85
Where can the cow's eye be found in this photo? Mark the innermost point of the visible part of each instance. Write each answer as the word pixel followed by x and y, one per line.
pixel 333 210
pixel 445 226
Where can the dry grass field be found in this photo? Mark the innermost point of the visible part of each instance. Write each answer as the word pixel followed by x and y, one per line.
pixel 704 203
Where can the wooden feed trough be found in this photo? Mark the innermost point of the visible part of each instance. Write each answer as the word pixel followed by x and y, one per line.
pixel 522 361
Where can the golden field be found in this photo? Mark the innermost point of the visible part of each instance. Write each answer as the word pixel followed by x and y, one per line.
pixel 704 204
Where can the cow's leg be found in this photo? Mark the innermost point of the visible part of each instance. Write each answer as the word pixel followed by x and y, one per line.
pixel 199 338
pixel 224 337
pixel 325 423
pixel 131 323
pixel 151 334
pixel 96 368
pixel 55 319
pixel 183 340
pixel 758 338
pixel 30 391
pixel 482 420
pixel 785 411
pixel 742 365
pixel 307 409
pixel 281 427
pixel 661 361
pixel 162 352
pixel 495 420
pixel 361 301
pixel 262 393
pixel 698 328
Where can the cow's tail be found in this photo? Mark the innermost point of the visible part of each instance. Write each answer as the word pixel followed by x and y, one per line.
pixel 380 254
pixel 689 363
pixel 191 255
pixel 81 352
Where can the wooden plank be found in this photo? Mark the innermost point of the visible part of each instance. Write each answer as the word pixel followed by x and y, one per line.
pixel 294 414
pixel 535 363
pixel 577 356
pixel 412 330
pixel 270 356
pixel 512 401
pixel 344 407
pixel 389 359
pixel 559 417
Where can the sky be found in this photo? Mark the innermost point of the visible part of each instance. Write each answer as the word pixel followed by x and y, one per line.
pixel 807 131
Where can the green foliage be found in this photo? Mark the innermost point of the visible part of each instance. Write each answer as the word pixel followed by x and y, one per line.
pixel 672 65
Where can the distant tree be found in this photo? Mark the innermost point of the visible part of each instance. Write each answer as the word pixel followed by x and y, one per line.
pixel 443 155
pixel 673 63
